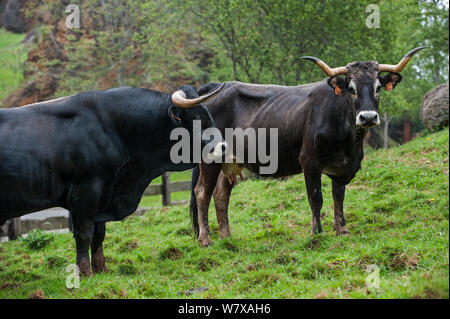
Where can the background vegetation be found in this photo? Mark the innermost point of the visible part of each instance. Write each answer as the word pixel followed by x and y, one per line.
pixel 163 44
pixel 12 57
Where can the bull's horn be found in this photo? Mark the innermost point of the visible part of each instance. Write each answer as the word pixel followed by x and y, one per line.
pixel 401 65
pixel 325 68
pixel 179 98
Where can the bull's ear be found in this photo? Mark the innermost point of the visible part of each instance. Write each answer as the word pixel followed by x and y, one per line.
pixel 337 83
pixel 390 80
pixel 176 114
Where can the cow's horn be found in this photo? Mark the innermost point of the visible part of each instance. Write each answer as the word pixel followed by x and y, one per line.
pixel 401 65
pixel 179 98
pixel 325 68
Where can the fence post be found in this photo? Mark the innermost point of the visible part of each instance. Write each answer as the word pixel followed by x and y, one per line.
pixel 165 189
pixel 13 228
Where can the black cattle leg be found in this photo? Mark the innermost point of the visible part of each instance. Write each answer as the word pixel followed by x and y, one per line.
pixel 339 220
pixel 83 231
pixel 203 192
pixel 83 205
pixel 97 257
pixel 222 194
pixel 314 190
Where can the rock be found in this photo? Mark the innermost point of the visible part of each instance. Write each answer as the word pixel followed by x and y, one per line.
pixel 140 211
pixel 11 16
pixel 35 91
pixel 434 108
pixel 2 8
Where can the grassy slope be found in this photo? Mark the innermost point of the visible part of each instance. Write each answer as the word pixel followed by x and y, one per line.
pixel 397 213
pixel 12 55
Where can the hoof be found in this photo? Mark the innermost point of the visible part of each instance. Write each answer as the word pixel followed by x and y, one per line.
pixel 99 269
pixel 225 234
pixel 85 270
pixel 342 231
pixel 204 242
pixel 98 264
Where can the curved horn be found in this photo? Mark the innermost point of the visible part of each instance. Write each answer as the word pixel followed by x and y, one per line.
pixel 325 68
pixel 401 65
pixel 179 98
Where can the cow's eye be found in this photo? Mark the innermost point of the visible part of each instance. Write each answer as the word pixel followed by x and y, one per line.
pixel 351 90
pixel 378 89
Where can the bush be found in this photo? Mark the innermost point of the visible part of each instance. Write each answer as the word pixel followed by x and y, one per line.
pixel 37 239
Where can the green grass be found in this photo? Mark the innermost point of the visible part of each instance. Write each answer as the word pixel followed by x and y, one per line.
pixel 12 57
pixel 397 215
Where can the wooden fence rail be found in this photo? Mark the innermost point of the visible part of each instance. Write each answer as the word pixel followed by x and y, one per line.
pixel 16 227
pixel 166 188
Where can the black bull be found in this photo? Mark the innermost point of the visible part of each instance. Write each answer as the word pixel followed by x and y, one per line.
pixel 94 154
pixel 321 127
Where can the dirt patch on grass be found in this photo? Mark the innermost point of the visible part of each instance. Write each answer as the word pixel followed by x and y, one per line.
pixel 170 253
pixel 264 278
pixel 285 259
pixel 400 261
pixel 205 264
pixel 321 295
pixel 193 291
pixel 255 266
pixel 431 293
pixel 128 245
pixel 314 243
pixel 37 294
pixel 337 265
pixel 365 261
pixel 112 292
pixel 228 245
pixel 9 285
pixel 127 268
pixel 55 261
pixel 183 232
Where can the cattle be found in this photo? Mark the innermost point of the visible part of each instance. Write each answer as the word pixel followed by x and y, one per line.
pixel 320 125
pixel 94 154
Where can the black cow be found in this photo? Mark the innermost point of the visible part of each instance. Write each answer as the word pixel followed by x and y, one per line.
pixel 321 127
pixel 94 154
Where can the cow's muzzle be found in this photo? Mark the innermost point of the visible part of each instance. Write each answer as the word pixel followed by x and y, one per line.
pixel 219 150
pixel 367 119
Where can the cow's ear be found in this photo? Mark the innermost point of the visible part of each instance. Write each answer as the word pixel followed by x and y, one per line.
pixel 176 114
pixel 390 80
pixel 337 83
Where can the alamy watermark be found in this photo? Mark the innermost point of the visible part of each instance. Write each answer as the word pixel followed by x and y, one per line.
pixel 250 146
pixel 73 277
pixel 73 19
pixel 373 19
pixel 373 279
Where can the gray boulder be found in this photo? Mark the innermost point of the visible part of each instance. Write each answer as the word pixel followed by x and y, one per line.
pixel 434 108
pixel 11 16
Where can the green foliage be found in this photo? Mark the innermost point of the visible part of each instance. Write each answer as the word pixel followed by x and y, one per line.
pixel 396 210
pixel 163 44
pixel 37 239
pixel 263 40
pixel 12 57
